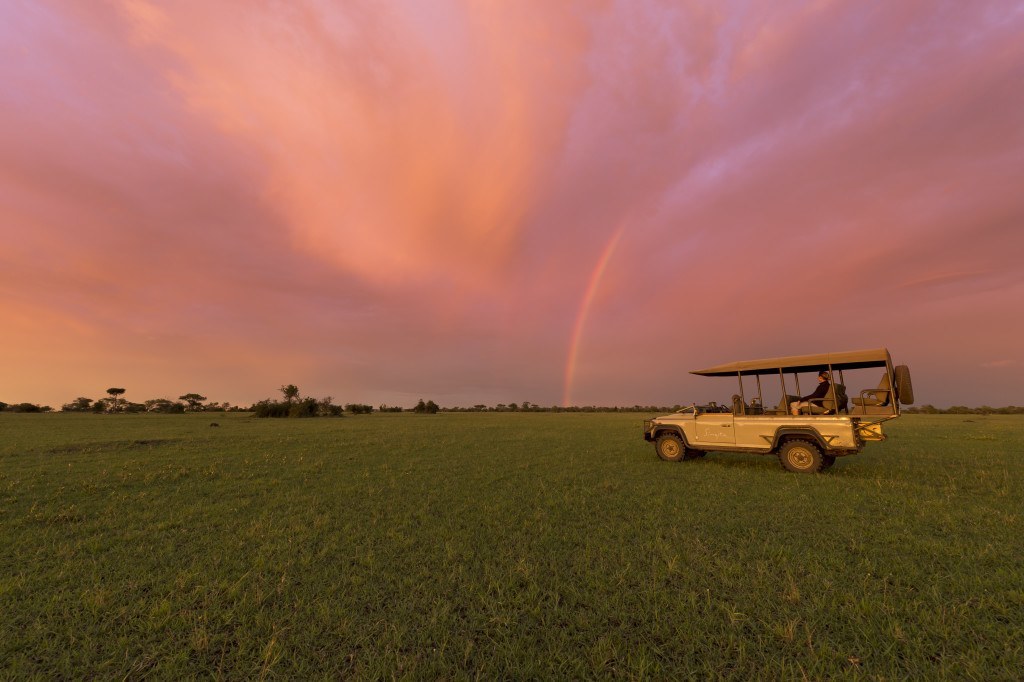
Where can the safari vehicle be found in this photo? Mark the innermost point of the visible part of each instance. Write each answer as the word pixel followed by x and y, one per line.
pixel 807 442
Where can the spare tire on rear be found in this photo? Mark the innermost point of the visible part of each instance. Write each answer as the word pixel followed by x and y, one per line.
pixel 904 389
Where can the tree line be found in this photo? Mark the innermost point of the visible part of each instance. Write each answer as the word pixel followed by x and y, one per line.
pixel 294 405
pixel 189 402
pixel 963 409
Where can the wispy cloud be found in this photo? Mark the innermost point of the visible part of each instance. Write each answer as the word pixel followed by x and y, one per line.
pixel 388 200
pixel 999 364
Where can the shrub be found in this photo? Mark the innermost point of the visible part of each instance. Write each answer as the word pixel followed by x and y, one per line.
pixel 165 406
pixel 270 408
pixel 78 405
pixel 327 408
pixel 306 407
pixel 429 407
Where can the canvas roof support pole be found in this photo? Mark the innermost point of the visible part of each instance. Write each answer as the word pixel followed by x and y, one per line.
pixel 796 377
pixel 893 398
pixel 782 379
pixel 760 399
pixel 832 389
pixel 739 375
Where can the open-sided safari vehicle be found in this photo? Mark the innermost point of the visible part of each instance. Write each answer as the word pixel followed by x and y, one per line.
pixel 807 436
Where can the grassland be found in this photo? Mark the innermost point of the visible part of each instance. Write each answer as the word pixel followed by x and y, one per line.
pixel 501 546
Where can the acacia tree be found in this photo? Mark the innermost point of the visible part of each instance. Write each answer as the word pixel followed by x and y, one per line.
pixel 114 393
pixel 290 392
pixel 194 400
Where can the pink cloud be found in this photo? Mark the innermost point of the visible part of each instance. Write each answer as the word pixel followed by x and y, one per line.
pixel 384 202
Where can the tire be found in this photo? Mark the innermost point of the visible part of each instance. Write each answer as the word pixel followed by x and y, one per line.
pixel 670 447
pixel 801 457
pixel 827 461
pixel 904 389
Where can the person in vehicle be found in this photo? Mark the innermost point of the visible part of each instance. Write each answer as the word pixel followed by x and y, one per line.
pixel 815 398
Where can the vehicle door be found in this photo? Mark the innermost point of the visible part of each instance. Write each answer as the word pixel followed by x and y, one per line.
pixel 715 428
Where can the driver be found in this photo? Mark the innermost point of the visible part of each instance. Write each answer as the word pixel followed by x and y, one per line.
pixel 814 398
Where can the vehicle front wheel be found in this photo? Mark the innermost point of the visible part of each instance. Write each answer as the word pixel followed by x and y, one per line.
pixel 670 447
pixel 801 456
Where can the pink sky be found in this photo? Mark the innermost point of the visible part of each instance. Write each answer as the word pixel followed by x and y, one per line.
pixel 483 202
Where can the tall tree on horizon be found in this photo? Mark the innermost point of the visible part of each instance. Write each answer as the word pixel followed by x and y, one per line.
pixel 194 400
pixel 290 392
pixel 114 393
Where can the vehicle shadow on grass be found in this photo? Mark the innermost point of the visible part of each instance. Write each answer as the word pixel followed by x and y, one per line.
pixel 749 462
pixel 728 460
pixel 855 469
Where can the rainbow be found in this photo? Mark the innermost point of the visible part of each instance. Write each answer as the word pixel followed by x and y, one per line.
pixel 581 315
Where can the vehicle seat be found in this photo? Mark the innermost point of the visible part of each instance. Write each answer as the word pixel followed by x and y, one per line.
pixel 842 400
pixel 738 408
pixel 872 397
pixel 784 403
pixel 836 396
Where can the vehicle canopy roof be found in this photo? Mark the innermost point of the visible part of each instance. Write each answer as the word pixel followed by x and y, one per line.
pixel 855 359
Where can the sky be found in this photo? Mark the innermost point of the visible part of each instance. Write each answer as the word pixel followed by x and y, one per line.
pixel 473 201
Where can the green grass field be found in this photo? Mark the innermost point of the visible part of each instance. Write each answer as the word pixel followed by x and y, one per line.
pixel 501 546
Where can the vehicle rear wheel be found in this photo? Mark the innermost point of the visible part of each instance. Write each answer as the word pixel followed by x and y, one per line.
pixel 670 447
pixel 827 461
pixel 801 456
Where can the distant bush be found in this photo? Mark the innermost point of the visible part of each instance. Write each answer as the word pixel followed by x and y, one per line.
pixel 306 407
pixel 26 407
pixel 533 407
pixel 429 407
pixel 358 408
pixel 326 408
pixel 165 406
pixel 963 409
pixel 270 408
pixel 390 408
pixel 78 405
